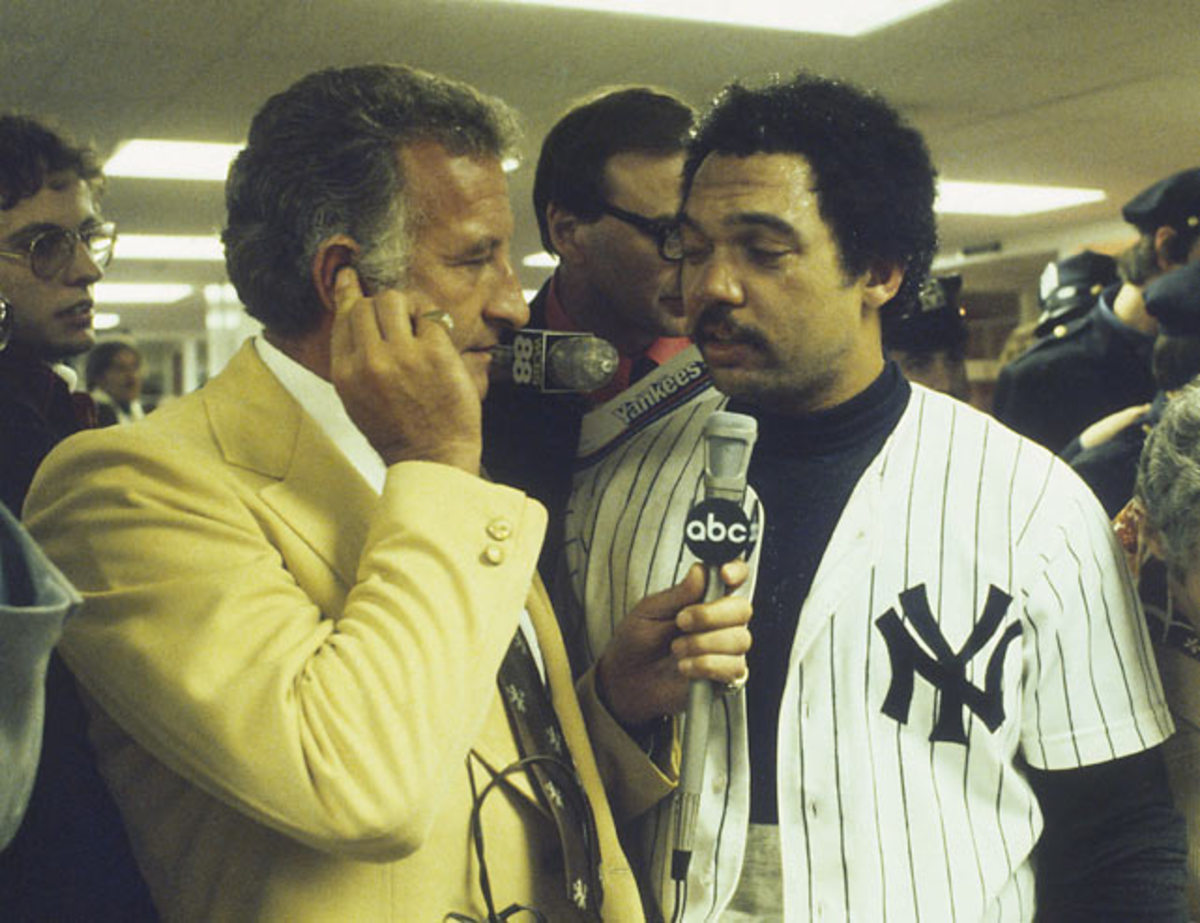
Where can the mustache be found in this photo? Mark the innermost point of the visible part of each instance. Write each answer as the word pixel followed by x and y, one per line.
pixel 719 317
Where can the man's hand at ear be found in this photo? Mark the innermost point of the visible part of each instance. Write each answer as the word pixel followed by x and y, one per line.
pixel 401 378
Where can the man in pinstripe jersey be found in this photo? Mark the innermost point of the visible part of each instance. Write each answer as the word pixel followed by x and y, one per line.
pixel 952 712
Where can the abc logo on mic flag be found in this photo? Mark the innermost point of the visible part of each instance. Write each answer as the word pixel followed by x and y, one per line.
pixel 718 530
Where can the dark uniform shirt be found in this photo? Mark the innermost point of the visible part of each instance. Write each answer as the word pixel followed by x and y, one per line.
pixel 1082 372
pixel 1110 468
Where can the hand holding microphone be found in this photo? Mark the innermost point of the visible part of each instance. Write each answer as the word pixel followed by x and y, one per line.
pixel 671 649
pixel 669 639
pixel 717 531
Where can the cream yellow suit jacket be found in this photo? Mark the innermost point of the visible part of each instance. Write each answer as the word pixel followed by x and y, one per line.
pixel 292 673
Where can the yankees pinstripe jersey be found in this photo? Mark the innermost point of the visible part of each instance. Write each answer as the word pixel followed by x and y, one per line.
pixel 970 611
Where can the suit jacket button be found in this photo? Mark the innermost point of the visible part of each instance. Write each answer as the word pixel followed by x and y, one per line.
pixel 499 529
pixel 493 554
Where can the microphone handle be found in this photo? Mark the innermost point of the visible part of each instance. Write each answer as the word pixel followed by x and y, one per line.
pixel 695 745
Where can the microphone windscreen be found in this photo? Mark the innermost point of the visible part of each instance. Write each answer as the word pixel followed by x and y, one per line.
pixel 581 363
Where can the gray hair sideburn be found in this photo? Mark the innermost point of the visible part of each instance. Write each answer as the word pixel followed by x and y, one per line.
pixel 321 160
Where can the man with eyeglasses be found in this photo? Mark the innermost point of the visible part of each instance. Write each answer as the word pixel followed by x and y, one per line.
pixel 605 191
pixel 53 248
pixel 70 858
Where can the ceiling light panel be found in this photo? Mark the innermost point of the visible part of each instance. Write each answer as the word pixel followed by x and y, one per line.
pixel 169 247
pixel 140 293
pixel 146 158
pixel 1009 199
pixel 846 18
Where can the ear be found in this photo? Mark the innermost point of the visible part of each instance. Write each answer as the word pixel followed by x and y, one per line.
pixel 564 229
pixel 333 253
pixel 880 284
pixel 1164 248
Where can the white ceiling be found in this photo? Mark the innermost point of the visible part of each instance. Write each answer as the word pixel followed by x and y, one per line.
pixel 1097 93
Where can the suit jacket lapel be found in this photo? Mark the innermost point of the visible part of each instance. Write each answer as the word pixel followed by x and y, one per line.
pixel 312 486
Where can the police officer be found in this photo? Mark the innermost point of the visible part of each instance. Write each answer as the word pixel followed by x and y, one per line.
pixel 929 343
pixel 1101 363
pixel 1069 289
pixel 1106 456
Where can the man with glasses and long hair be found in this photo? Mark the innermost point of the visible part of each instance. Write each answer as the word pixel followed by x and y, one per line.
pixel 605 191
pixel 71 858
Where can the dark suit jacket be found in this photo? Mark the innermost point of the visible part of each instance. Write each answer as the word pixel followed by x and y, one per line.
pixel 1066 382
pixel 529 442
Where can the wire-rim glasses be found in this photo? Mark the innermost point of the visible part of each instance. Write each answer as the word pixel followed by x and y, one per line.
pixel 50 251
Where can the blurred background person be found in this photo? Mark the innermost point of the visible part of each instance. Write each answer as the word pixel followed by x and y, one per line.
pixel 1069 289
pixel 1160 530
pixel 1019 339
pixel 70 859
pixel 114 380
pixel 1106 454
pixel 54 246
pixel 1100 363
pixel 929 341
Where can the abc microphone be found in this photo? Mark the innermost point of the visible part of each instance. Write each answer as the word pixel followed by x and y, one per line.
pixel 717 531
pixel 553 362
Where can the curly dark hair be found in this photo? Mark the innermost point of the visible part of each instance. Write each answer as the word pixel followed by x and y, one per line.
pixel 322 160
pixel 874 179
pixel 570 168
pixel 30 152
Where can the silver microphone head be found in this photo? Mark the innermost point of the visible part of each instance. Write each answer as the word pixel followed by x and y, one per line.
pixel 728 439
pixel 582 363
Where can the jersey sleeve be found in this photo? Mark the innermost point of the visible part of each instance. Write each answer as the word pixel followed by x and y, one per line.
pixel 1092 688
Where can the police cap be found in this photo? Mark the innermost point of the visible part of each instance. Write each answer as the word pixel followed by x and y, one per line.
pixel 1070 287
pixel 1173 300
pixel 936 323
pixel 1171 202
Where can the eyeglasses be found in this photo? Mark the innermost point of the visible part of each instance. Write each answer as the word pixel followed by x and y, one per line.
pixel 657 229
pixel 670 245
pixel 51 251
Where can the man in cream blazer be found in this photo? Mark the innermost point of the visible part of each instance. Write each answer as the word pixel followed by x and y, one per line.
pixel 298 589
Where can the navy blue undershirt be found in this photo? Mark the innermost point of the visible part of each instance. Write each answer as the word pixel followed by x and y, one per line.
pixel 803 469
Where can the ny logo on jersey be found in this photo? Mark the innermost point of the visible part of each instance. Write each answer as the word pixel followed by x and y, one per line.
pixel 946 670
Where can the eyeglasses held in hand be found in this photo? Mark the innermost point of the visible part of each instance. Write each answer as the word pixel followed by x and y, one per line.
pixel 50 251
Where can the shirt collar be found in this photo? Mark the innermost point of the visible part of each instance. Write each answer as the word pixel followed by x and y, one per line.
pixel 321 402
pixel 661 350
